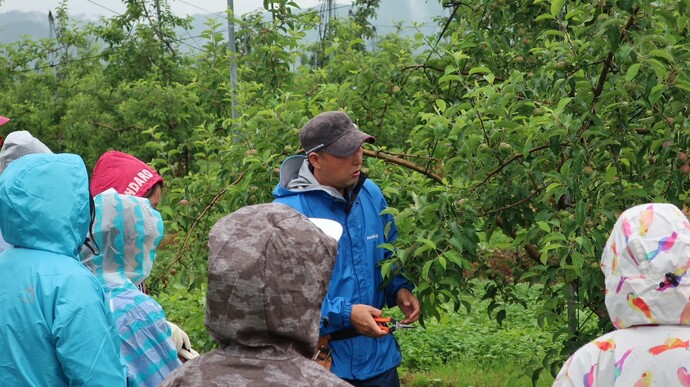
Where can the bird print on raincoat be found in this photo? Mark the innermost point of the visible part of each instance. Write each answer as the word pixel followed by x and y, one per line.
pixel 645 380
pixel 646 220
pixel 665 244
pixel 621 362
pixel 638 304
pixel 669 344
pixel 645 264
pixel 683 377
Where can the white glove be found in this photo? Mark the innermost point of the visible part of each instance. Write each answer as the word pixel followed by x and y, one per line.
pixel 182 344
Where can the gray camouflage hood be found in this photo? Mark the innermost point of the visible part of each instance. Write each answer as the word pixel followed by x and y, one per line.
pixel 18 144
pixel 269 268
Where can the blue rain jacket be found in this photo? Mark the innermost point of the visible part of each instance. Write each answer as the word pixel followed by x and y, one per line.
pixel 356 277
pixel 127 230
pixel 55 327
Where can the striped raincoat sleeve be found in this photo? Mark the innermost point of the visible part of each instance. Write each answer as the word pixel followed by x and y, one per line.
pixel 147 346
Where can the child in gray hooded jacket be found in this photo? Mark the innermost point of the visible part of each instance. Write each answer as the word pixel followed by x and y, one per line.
pixel 268 273
pixel 16 145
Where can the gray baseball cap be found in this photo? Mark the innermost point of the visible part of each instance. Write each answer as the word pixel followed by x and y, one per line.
pixel 334 133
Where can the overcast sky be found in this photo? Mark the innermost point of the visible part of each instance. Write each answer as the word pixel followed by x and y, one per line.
pixel 96 8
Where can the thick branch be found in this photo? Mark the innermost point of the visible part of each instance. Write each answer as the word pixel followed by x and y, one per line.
pixel 114 129
pixel 405 163
pixel 599 88
pixel 519 202
pixel 504 164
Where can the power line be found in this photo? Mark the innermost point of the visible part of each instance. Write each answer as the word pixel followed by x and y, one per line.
pixel 96 56
pixel 104 7
pixel 196 44
pixel 199 8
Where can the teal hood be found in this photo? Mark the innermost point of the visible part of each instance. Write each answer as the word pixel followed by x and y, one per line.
pixel 39 184
pixel 127 231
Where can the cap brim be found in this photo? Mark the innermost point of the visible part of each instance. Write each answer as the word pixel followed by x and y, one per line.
pixel 349 143
pixel 330 227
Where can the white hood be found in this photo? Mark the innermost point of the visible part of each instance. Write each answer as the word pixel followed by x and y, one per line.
pixel 645 262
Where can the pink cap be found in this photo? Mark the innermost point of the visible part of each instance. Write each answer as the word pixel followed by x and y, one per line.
pixel 4 120
pixel 125 173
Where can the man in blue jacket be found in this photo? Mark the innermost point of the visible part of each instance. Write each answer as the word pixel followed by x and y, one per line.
pixel 56 328
pixel 328 183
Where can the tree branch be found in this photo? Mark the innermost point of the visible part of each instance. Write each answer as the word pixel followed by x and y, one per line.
pixel 405 163
pixel 114 129
pixel 599 88
pixel 504 164
pixel 531 249
pixel 521 201
pixel 196 221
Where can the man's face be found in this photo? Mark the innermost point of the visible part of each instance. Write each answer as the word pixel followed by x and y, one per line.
pixel 337 172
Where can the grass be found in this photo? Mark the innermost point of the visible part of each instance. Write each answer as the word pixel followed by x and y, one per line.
pixel 472 349
pixel 469 373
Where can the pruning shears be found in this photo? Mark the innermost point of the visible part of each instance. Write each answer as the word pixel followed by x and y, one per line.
pixel 390 325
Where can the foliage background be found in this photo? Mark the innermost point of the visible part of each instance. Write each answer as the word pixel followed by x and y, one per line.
pixel 535 120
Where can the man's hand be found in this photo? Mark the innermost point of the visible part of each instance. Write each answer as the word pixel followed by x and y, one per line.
pixel 409 305
pixel 362 319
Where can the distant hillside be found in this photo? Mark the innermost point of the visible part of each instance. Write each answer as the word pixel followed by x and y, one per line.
pixel 14 25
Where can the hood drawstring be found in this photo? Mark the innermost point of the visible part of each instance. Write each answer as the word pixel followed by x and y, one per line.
pixel 95 249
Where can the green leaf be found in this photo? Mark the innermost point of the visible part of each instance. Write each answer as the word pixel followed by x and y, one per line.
pixel 562 104
pixel 544 16
pixel 610 175
pixel 426 268
pixel 544 226
pixel 441 105
pixel 556 6
pixel 661 54
pixel 655 93
pixel 614 36
pixel 580 213
pixel 479 70
pixel 386 268
pixel 500 316
pixel 632 72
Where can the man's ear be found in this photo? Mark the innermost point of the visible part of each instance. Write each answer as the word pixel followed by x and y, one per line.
pixel 314 159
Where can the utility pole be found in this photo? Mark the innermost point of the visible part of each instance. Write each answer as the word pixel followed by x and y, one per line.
pixel 158 12
pixel 51 29
pixel 233 62
pixel 56 62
